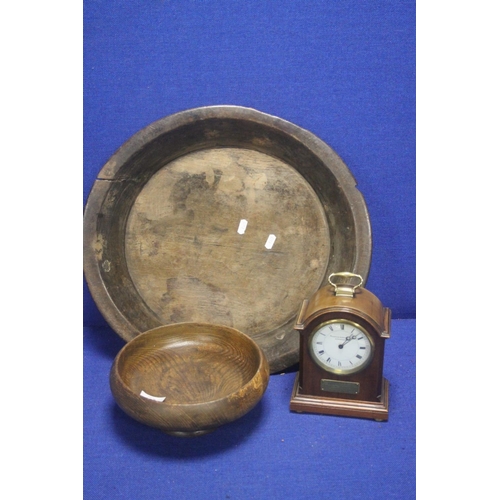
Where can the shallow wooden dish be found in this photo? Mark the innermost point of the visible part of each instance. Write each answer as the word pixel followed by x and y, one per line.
pixel 221 215
pixel 188 379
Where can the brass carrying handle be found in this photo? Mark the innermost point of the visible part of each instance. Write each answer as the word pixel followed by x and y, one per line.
pixel 345 289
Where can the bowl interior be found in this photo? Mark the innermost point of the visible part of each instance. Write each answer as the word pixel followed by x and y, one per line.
pixel 189 366
pixel 222 236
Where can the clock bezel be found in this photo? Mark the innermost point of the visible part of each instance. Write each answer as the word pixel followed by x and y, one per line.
pixel 341 371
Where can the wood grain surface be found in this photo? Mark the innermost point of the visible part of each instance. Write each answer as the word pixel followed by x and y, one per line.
pixel 187 259
pixel 224 215
pixel 190 378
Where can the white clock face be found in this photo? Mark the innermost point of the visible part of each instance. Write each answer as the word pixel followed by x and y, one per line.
pixel 341 346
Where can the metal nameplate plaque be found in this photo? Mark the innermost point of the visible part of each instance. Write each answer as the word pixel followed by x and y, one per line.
pixel 339 386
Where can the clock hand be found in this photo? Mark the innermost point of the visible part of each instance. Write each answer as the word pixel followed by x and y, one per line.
pixel 347 339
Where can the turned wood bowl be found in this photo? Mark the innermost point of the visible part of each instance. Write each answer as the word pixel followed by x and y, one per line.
pixel 188 379
pixel 221 215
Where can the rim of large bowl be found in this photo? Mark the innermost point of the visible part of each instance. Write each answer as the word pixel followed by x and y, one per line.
pixel 115 317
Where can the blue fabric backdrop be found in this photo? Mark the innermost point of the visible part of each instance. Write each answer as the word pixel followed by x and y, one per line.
pixel 343 70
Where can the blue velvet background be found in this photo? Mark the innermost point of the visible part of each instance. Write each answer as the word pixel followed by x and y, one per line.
pixel 344 70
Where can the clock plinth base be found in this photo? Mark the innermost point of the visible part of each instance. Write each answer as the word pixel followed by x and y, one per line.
pixel 341 407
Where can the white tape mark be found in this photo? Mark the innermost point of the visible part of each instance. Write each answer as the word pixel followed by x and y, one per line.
pixel 243 226
pixel 270 241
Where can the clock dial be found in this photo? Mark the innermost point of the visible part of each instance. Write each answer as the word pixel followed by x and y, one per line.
pixel 341 347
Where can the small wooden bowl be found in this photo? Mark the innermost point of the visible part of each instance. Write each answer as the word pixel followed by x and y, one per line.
pixel 187 379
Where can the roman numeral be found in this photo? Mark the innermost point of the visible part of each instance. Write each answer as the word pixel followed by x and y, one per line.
pixel 321 343
pixel 328 360
pixel 331 327
pixel 342 327
pixel 358 356
pixel 362 347
pixel 321 352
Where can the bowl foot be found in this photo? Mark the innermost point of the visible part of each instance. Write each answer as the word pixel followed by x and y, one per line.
pixel 189 434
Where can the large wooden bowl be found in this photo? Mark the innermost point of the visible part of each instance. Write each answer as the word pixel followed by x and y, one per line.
pixel 188 379
pixel 221 215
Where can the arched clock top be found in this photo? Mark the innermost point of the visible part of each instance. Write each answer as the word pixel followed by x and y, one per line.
pixel 363 304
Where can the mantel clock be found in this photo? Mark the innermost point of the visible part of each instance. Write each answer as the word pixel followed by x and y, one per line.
pixel 343 328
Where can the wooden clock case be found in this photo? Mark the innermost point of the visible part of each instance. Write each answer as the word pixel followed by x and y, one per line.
pixel 372 397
